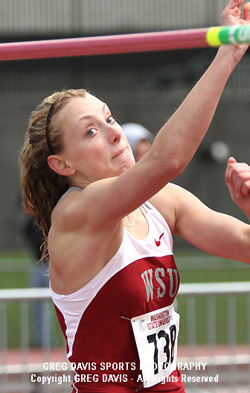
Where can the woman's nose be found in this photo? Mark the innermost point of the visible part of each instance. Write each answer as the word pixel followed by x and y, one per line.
pixel 114 134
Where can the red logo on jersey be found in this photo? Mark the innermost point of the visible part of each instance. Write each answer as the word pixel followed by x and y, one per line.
pixel 158 242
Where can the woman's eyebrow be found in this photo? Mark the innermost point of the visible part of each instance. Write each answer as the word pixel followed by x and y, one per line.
pixel 105 107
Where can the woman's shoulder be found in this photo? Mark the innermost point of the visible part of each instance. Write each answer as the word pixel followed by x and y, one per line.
pixel 62 213
pixel 167 193
pixel 165 202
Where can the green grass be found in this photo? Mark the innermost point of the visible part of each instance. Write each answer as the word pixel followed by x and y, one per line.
pixel 193 267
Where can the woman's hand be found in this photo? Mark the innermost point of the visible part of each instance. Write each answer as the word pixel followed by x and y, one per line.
pixel 232 14
pixel 238 181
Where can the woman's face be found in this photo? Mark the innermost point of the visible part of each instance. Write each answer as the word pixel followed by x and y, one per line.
pixel 94 143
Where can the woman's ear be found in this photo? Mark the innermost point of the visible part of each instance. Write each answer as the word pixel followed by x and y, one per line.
pixel 60 165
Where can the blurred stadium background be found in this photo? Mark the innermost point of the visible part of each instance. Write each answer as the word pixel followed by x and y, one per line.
pixel 142 88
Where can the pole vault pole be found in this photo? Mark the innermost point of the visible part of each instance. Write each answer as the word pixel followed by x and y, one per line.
pixel 126 43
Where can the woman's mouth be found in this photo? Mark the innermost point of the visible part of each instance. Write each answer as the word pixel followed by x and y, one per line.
pixel 120 152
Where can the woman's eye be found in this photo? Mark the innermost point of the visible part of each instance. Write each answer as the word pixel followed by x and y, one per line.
pixel 91 132
pixel 110 119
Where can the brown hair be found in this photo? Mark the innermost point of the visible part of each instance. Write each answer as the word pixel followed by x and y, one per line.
pixel 41 186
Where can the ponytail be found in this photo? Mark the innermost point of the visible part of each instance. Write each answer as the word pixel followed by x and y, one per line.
pixel 41 186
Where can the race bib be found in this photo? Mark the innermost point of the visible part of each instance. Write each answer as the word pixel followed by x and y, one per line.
pixel 156 336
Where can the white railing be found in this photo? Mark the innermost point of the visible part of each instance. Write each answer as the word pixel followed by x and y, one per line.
pixel 231 362
pixel 206 367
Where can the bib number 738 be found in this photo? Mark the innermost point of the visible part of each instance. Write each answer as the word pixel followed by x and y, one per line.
pixel 168 349
pixel 156 335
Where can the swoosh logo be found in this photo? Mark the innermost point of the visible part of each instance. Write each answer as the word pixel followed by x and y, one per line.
pixel 158 242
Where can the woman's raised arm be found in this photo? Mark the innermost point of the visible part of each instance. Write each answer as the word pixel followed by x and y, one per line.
pixel 177 141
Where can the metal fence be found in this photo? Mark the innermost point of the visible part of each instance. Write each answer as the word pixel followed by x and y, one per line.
pixel 222 363
pixel 23 369
pixel 206 366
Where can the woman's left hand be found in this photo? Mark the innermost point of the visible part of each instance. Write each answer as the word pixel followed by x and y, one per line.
pixel 238 181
